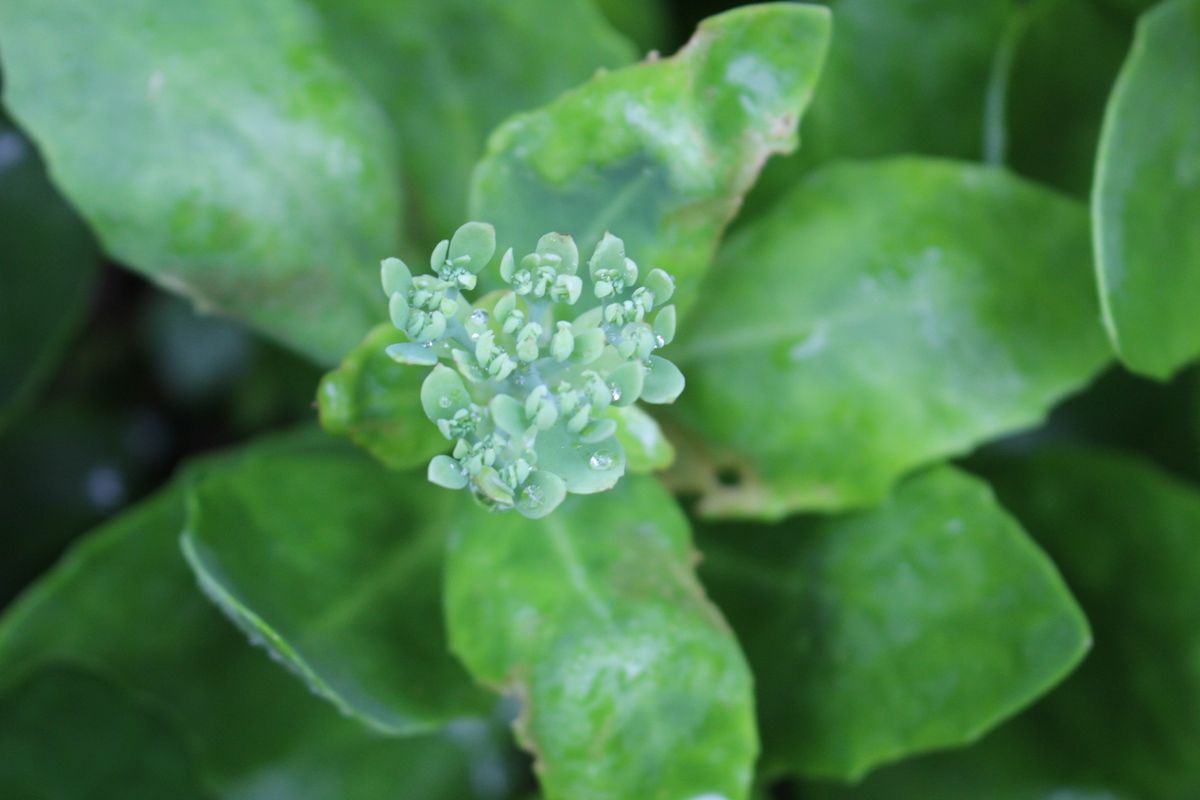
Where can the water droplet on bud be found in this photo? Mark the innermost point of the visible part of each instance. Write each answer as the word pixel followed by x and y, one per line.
pixel 533 496
pixel 616 393
pixel 479 316
pixel 659 340
pixel 445 402
pixel 600 460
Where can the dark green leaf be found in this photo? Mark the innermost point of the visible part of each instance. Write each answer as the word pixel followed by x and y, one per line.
pixel 1006 765
pixel 897 68
pixel 376 402
pixel 68 735
pixel 646 22
pixel 49 270
pixel 333 563
pixel 216 148
pixel 632 685
pixel 125 604
pixel 889 632
pixel 1064 57
pixel 1146 201
pixel 883 316
pixel 448 71
pixel 1126 536
pixel 969 80
pixel 660 153
pixel 903 76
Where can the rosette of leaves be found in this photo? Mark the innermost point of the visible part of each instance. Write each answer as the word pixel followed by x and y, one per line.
pixel 525 380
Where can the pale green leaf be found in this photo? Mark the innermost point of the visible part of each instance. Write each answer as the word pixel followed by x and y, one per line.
pixel 659 153
pixel 630 682
pixel 216 148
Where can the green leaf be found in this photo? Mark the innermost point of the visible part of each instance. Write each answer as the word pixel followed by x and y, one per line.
pixel 913 626
pixel 903 76
pixel 646 22
pixel 68 734
pixel 1005 765
pixel 448 71
pixel 1125 535
pixel 1125 724
pixel 646 448
pixel 1057 59
pixel 125 604
pixel 660 153
pixel 968 80
pixel 876 98
pixel 1147 196
pixel 333 563
pixel 219 151
pixel 49 271
pixel 631 683
pixel 883 316
pixel 376 402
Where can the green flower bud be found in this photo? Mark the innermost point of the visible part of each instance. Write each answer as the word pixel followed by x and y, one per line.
pixel 664 326
pixel 526 402
pixel 563 342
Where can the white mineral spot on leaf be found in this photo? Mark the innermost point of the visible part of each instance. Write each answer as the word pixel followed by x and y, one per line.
pixel 812 344
pixel 155 84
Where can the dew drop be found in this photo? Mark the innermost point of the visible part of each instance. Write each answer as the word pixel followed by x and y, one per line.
pixel 479 316
pixel 660 340
pixel 600 460
pixel 445 402
pixel 616 395
pixel 533 496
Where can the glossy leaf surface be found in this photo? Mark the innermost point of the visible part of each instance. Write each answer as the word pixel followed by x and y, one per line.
pixel 365 543
pixel 876 635
pixel 884 315
pixel 631 683
pixel 217 149
pixel 660 153
pixel 1146 201
pixel 49 268
pixel 1124 725
pixel 125 604
pixel 448 71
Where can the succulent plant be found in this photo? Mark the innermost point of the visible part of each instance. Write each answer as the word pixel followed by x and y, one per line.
pixel 525 382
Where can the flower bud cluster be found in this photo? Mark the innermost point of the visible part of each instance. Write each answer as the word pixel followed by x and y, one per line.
pixel 524 383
